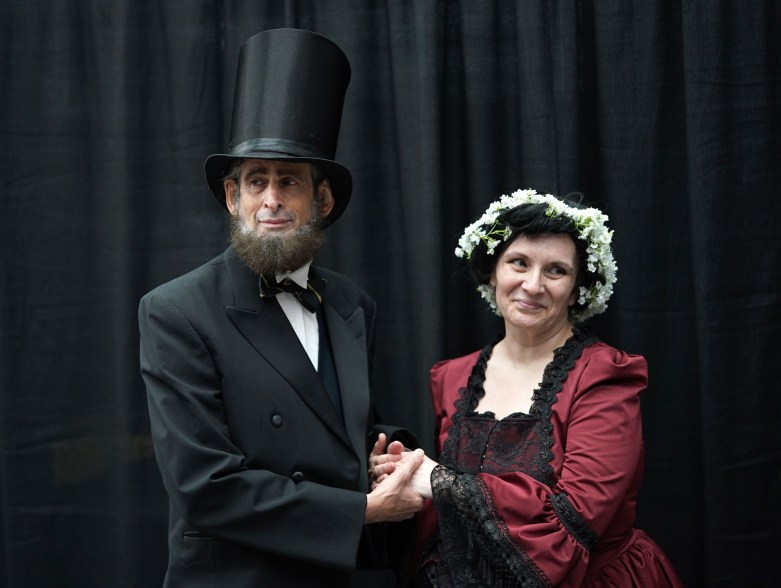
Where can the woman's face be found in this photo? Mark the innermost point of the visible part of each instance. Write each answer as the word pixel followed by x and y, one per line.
pixel 535 281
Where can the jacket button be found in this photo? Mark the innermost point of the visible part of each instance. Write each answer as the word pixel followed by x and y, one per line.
pixel 297 477
pixel 276 420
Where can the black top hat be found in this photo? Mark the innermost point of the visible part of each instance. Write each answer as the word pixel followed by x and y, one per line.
pixel 290 89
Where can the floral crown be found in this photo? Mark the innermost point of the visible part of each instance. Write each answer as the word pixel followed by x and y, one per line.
pixel 590 225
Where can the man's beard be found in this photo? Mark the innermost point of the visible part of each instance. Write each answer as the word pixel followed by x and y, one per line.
pixel 276 254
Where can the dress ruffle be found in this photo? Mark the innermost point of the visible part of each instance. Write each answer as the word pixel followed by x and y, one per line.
pixel 641 563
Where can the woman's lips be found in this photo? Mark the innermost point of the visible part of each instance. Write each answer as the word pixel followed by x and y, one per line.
pixel 529 304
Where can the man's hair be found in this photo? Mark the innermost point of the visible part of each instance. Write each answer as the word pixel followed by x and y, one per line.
pixel 234 171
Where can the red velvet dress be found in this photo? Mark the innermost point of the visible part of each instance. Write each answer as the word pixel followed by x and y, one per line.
pixel 546 498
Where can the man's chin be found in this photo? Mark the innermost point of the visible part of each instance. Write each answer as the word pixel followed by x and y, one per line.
pixel 267 234
pixel 276 251
pixel 272 230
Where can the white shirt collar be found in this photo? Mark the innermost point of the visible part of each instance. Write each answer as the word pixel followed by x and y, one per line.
pixel 299 276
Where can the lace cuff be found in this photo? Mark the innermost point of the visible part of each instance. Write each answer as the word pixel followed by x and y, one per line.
pixel 573 522
pixel 442 480
pixel 475 544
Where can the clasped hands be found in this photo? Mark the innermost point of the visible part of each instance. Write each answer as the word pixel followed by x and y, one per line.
pixel 400 481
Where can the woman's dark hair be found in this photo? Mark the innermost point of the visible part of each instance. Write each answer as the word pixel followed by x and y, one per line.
pixel 530 219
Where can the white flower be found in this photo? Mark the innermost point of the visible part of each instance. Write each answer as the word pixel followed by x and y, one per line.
pixel 591 227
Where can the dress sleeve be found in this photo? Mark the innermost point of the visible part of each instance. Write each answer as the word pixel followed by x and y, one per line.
pixel 511 525
pixel 442 400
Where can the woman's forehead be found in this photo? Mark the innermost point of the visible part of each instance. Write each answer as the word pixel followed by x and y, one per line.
pixel 541 242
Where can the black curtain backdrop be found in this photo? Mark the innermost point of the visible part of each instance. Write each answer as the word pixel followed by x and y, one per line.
pixel 664 113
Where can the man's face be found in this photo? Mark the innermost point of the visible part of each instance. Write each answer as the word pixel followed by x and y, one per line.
pixel 275 197
pixel 274 213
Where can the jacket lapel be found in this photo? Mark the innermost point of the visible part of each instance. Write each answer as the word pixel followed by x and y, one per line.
pixel 346 328
pixel 265 326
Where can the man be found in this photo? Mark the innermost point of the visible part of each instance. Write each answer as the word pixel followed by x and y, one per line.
pixel 257 363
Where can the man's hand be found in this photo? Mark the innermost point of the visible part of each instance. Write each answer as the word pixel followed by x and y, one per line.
pixel 393 499
pixel 380 463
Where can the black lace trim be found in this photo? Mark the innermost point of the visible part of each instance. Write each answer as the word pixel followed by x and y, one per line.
pixel 543 398
pixel 479 549
pixel 573 522
pixel 473 546
pixel 564 359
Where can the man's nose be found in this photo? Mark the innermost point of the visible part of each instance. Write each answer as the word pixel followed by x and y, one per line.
pixel 272 198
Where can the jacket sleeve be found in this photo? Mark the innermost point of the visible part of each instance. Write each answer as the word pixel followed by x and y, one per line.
pixel 205 474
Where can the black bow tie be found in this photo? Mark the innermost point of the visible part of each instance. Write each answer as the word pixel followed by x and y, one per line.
pixel 309 297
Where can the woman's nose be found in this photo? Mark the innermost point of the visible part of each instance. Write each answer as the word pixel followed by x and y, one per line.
pixel 533 281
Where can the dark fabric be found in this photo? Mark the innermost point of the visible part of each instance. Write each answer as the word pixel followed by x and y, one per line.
pixel 309 297
pixel 325 365
pixel 666 114
pixel 236 404
pixel 472 548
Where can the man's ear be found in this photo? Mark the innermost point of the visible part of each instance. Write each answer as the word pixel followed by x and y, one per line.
pixel 326 198
pixel 230 189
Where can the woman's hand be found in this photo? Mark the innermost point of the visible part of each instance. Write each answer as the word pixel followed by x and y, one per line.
pixel 420 481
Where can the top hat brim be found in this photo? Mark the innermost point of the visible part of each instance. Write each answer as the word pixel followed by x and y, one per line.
pixel 339 177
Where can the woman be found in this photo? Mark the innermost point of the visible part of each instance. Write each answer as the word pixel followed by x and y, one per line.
pixel 539 434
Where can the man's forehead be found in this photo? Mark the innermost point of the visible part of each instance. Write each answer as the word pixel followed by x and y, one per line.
pixel 267 166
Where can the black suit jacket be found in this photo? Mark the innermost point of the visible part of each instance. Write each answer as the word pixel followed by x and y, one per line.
pixel 267 485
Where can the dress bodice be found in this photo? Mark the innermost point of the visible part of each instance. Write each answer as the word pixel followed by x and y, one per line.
pixel 520 442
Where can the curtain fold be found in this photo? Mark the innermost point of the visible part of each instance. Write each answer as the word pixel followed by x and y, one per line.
pixel 664 114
